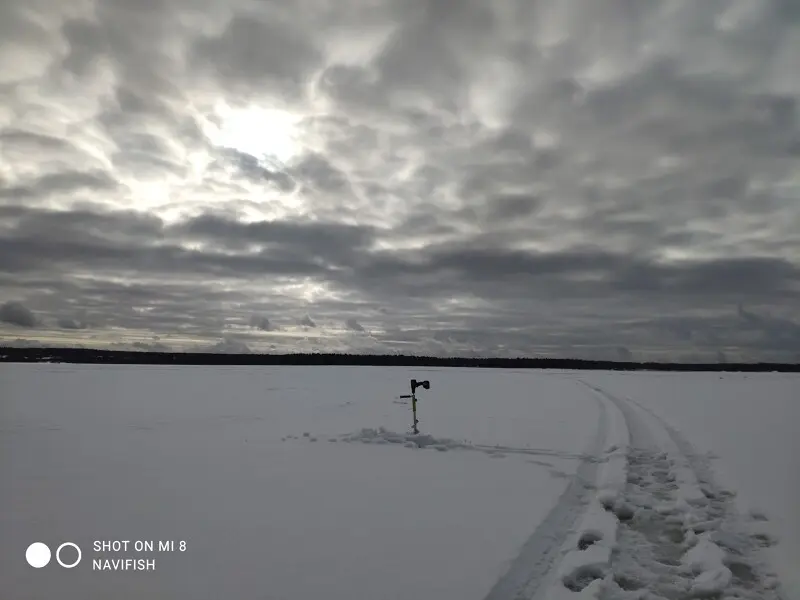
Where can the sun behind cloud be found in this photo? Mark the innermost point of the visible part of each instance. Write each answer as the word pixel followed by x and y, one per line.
pixel 263 132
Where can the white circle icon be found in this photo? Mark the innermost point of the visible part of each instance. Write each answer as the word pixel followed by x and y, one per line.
pixel 58 555
pixel 37 555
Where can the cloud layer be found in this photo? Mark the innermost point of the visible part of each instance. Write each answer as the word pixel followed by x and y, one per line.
pixel 600 179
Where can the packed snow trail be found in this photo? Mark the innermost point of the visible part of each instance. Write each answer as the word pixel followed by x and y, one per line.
pixel 657 528
pixel 681 536
pixel 529 573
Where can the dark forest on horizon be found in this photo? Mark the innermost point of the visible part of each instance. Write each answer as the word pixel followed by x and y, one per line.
pixel 95 356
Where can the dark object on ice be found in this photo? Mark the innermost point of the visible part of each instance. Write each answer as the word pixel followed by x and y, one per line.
pixel 414 385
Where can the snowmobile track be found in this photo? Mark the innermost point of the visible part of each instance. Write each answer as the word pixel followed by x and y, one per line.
pixel 529 569
pixel 685 538
pixel 671 533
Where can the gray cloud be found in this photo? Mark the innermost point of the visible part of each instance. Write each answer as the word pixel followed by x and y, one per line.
pixel 16 313
pixel 262 323
pixel 140 347
pixel 514 206
pixel 257 170
pixel 67 323
pixel 784 334
pixel 228 345
pixel 306 322
pixel 624 354
pixel 353 325
pixel 476 178
pixel 259 52
pixel 59 184
pixel 318 173
pixel 333 241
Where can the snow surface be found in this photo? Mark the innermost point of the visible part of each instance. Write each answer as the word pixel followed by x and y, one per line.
pixel 204 455
pixel 587 551
pixel 305 482
pixel 748 424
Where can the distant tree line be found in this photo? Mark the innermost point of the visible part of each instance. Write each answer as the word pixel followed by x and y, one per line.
pixel 90 356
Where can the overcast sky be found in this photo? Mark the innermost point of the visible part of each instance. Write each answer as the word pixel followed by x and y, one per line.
pixel 598 178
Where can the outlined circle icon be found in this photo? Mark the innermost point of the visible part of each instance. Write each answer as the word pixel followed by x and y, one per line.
pixel 38 555
pixel 70 545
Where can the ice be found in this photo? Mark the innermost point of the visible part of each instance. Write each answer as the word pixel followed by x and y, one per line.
pixel 91 452
pixel 302 482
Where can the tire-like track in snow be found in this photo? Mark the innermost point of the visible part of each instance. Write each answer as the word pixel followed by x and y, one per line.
pixel 678 535
pixel 535 560
pixel 679 517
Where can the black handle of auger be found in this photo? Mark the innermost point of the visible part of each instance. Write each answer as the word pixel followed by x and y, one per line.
pixel 415 384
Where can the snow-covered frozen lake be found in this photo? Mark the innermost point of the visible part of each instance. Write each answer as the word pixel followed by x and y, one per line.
pixel 303 482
